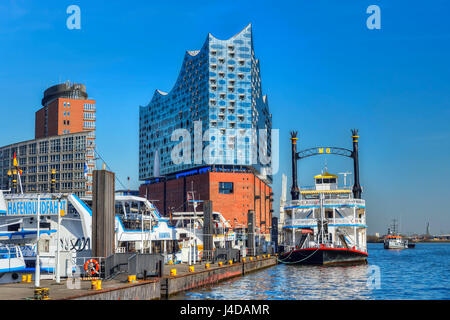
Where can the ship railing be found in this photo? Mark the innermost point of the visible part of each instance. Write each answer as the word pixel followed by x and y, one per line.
pixel 313 222
pixel 348 220
pixel 296 203
pixel 344 202
pixel 80 263
pixel 312 188
pixel 300 222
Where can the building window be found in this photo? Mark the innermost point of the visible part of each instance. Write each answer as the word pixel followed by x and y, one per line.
pixel 226 187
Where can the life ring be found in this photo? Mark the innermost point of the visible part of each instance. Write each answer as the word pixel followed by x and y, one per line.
pixel 91 267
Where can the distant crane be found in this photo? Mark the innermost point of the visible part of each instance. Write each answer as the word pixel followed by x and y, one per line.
pixel 345 177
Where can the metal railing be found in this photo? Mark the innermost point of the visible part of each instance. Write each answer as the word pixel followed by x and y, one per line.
pixel 312 188
pixel 338 202
pixel 80 263
pixel 328 202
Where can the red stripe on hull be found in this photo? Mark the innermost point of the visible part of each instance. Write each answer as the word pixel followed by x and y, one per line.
pixel 327 248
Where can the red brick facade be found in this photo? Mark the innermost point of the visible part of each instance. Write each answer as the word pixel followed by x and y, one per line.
pixel 249 193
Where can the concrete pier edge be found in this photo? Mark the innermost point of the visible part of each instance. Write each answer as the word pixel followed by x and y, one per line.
pixel 163 288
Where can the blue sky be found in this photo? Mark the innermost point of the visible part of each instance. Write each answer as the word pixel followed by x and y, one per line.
pixel 323 70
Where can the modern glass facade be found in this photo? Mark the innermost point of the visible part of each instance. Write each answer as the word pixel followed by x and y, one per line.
pixel 219 85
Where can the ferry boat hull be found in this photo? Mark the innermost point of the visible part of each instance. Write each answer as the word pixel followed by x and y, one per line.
pixel 323 256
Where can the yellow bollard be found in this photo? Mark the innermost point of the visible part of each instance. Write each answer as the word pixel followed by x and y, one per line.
pixel 24 278
pixel 264 256
pixel 243 259
pixel 191 269
pixel 93 284
pixel 251 258
pixel 99 285
pixel 257 257
pixel 130 279
pixel 173 272
pixel 170 262
pixel 220 263
pixel 268 256
pixel 207 266
pixel 230 261
pixel 29 278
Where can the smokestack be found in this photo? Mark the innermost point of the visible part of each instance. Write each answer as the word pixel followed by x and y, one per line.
pixel 294 189
pixel 356 186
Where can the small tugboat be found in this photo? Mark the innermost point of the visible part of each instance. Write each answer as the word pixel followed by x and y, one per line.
pixel 393 240
pixel 327 225
pixel 12 263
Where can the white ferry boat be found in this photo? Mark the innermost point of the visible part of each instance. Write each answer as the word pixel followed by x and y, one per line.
pixel 327 225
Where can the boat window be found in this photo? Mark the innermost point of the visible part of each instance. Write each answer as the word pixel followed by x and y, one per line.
pixel 319 181
pixel 326 180
pixel 333 180
pixel 14 227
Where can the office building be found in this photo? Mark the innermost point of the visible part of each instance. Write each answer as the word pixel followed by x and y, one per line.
pixel 65 109
pixel 64 143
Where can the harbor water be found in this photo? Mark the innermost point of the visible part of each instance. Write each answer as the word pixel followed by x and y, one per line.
pixel 422 273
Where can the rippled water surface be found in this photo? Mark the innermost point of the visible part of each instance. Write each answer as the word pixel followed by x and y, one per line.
pixel 420 273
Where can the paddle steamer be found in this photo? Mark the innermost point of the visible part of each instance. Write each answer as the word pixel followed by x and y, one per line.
pixel 325 224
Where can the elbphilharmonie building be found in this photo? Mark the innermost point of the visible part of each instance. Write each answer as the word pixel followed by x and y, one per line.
pixel 218 89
